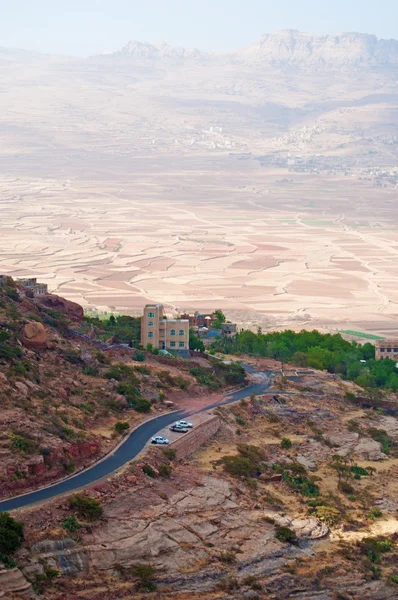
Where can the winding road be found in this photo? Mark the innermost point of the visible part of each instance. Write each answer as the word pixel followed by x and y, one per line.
pixel 128 450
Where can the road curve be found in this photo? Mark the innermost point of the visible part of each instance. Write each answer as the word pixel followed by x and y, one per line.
pixel 128 450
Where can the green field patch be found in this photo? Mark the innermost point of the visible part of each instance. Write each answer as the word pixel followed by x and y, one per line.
pixel 287 220
pixel 360 334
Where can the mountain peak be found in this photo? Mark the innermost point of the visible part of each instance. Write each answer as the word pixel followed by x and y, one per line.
pixel 290 46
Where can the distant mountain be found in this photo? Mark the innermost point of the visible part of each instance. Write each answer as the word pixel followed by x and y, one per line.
pixel 293 47
pixel 286 47
pixel 136 49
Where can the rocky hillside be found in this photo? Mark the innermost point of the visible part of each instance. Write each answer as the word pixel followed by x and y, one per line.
pixel 290 47
pixel 294 498
pixel 65 398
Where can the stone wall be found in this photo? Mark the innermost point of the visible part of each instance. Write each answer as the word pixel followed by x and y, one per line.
pixel 190 442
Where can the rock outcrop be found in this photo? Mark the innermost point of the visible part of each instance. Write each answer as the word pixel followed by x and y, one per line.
pixel 34 335
pixel 71 310
pixel 13 584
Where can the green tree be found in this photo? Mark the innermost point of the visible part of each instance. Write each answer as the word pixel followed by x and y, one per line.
pixel 11 534
pixel 194 342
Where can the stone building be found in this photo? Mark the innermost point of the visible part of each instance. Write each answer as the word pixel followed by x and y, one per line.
pixel 387 349
pixel 30 284
pixel 166 334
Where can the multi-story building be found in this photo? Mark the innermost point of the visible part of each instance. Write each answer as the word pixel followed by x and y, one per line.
pixel 30 284
pixel 387 349
pixel 163 333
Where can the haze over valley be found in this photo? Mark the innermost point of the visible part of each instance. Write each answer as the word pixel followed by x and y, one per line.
pixel 262 180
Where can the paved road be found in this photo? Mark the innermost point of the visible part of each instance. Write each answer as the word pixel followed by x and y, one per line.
pixel 132 446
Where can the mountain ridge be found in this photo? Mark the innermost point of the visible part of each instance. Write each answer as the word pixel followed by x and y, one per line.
pixel 284 47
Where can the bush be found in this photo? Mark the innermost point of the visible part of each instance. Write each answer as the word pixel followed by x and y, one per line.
pixel 145 574
pixel 227 557
pixel 148 470
pixel 87 508
pixel 286 443
pixel 375 513
pixel 71 524
pixel 21 444
pixel 374 547
pixel 284 534
pixel 142 405
pixel 394 578
pixel 120 426
pixel 8 561
pixel 72 356
pixel 140 356
pixel 237 466
pixel 165 471
pixel 241 422
pixel 11 534
pixel 170 453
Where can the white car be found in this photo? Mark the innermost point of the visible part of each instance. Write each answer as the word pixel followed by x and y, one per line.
pixel 184 424
pixel 158 439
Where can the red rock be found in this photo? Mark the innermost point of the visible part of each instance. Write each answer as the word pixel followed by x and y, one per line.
pixel 33 335
pixel 72 310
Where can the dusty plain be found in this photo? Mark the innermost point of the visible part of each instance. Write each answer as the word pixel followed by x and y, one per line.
pixel 268 190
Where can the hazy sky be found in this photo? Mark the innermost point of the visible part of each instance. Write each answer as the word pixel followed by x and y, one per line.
pixel 83 27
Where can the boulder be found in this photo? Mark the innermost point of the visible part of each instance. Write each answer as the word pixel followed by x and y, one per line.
pixel 22 388
pixel 368 449
pixel 33 335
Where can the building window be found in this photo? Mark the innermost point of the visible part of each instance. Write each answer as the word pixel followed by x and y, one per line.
pixel 150 333
pixel 182 332
pixel 151 315
pixel 150 323
pixel 382 349
pixel 172 344
pixel 395 349
pixel 181 344
pixel 388 349
pixel 172 331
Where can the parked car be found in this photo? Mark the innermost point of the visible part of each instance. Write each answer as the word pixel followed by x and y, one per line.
pixel 184 424
pixel 179 428
pixel 158 439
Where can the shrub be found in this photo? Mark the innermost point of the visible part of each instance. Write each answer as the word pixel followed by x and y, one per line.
pixel 11 534
pixel 72 356
pixel 145 574
pixel 358 471
pixel 241 422
pixel 148 470
pixel 394 578
pixel 374 547
pixel 252 582
pixel 142 405
pixel 71 524
pixel 165 471
pixel 170 453
pixel 227 557
pixel 284 534
pixel 327 514
pixel 381 436
pixel 375 513
pixel 120 426
pixel 8 561
pixel 87 508
pixel 238 466
pixel 21 444
pixel 286 443
pixel 90 370
pixel 140 356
